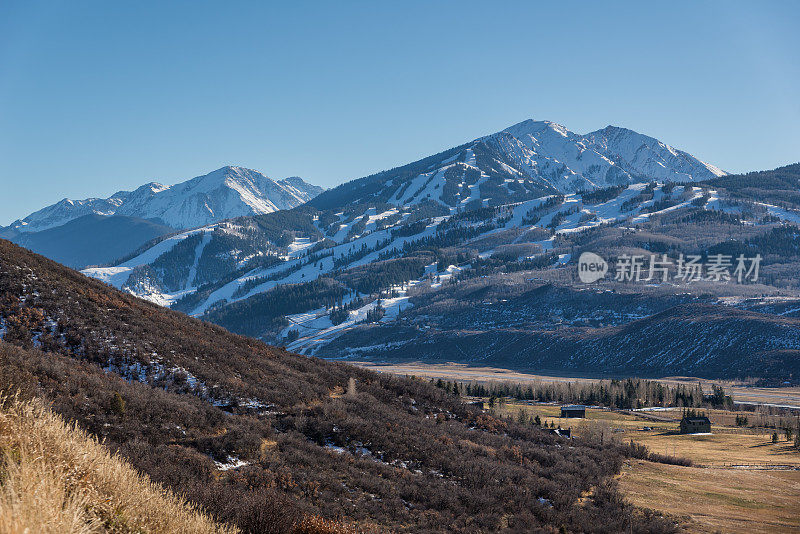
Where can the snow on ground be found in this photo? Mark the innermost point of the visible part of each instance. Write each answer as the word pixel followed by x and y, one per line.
pixel 232 463
pixel 381 216
pixel 113 276
pixel 409 191
pixel 445 276
pixel 783 214
pixel 310 272
pixel 197 253
pixel 118 275
pixel 642 217
pixel 315 328
pixel 299 246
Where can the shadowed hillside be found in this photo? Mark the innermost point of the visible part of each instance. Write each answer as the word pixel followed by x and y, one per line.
pixel 271 441
pixel 92 239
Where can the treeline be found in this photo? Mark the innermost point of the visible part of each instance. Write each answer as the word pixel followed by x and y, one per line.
pixel 414 228
pixel 494 264
pixel 781 241
pixel 439 240
pixel 357 254
pixel 779 186
pixel 626 394
pixel 381 275
pixel 703 216
pixel 173 266
pixel 664 203
pixel 646 194
pixel 274 227
pixel 265 311
pixel 599 196
pixel 533 215
pixel 560 217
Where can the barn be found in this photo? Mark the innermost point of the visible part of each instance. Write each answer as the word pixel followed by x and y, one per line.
pixel 695 425
pixel 573 410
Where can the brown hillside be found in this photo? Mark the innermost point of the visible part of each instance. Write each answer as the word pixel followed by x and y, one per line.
pixel 265 439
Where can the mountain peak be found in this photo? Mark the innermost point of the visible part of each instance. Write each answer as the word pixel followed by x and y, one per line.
pixel 236 169
pixel 529 158
pixel 228 192
pixel 646 156
pixel 531 127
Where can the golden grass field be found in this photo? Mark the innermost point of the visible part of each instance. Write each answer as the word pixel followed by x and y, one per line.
pixel 717 500
pixel 713 496
pixel 57 479
pixel 725 446
pixel 741 481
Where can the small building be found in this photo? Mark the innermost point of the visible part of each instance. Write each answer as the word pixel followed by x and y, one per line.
pixel 573 410
pixel 695 425
pixel 563 432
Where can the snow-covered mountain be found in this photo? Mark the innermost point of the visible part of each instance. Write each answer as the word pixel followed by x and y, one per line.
pixel 525 161
pixel 471 255
pixel 223 194
pixel 645 156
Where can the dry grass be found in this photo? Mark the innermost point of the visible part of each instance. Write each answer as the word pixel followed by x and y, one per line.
pixel 726 445
pixel 57 479
pixel 716 500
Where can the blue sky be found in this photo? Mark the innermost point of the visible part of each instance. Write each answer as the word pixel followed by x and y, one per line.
pixel 101 96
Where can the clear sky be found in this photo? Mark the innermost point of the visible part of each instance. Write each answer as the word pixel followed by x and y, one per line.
pixel 97 97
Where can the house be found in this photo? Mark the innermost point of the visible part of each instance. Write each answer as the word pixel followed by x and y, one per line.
pixel 563 432
pixel 695 425
pixel 573 410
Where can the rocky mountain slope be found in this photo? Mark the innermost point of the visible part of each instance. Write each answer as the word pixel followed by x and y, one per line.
pixel 386 281
pixel 225 193
pixel 524 161
pixel 382 266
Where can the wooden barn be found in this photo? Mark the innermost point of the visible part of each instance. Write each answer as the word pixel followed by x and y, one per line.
pixel 573 410
pixel 695 425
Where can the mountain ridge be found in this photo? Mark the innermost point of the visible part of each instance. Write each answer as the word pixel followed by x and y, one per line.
pixel 524 160
pixel 227 192
pixel 92 239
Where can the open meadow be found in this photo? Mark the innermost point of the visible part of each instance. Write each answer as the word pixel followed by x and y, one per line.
pixel 739 481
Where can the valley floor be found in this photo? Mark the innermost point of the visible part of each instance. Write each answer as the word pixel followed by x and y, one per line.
pixel 740 482
pixel 716 499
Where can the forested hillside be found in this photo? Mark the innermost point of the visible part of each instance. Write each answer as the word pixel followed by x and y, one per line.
pixel 377 280
pixel 270 441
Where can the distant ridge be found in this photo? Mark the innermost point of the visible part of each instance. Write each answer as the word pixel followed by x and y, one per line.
pixel 92 239
pixel 222 194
